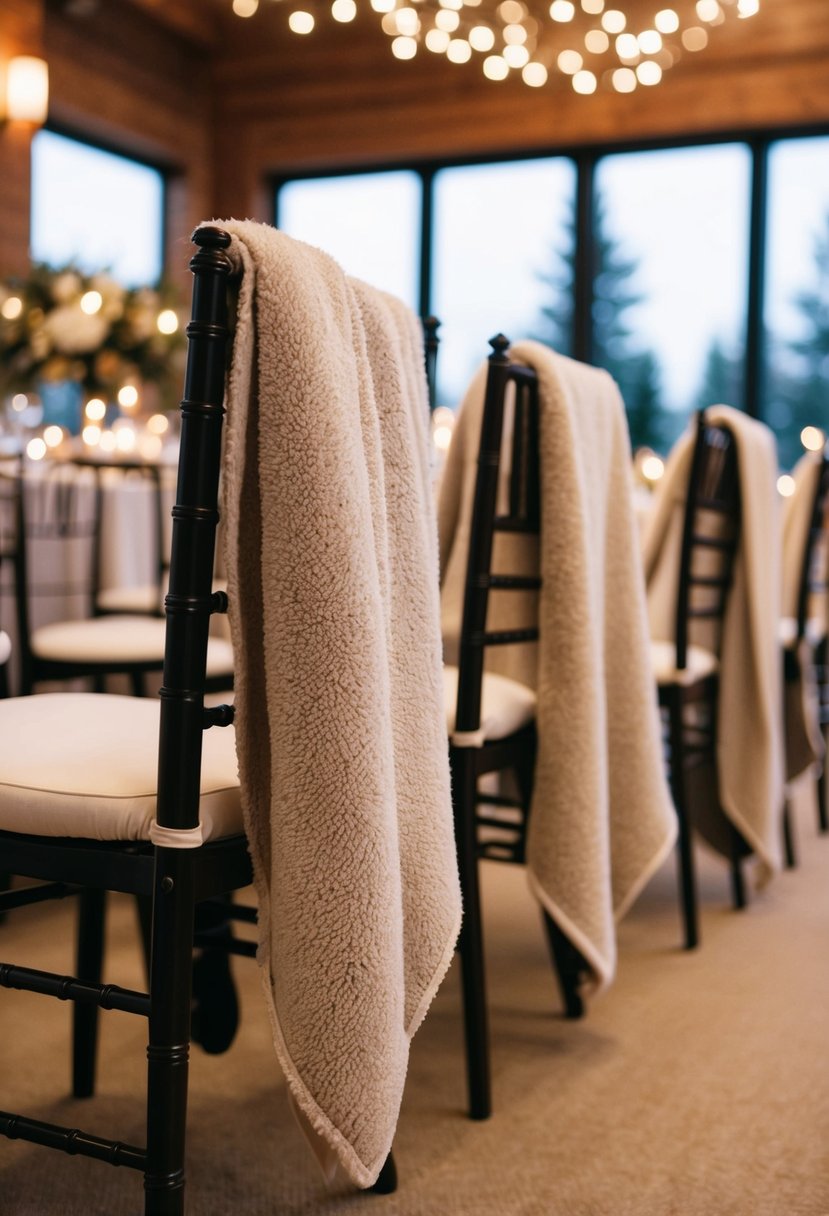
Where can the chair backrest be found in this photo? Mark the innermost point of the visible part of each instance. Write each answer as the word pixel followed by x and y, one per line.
pixel 48 540
pixel 710 538
pixel 507 499
pixel 814 570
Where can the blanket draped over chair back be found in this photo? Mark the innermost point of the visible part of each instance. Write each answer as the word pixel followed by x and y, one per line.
pixel 804 740
pixel 749 727
pixel 601 818
pixel 331 552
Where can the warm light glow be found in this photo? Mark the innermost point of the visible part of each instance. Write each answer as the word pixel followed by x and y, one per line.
pixel 512 35
pixel 624 80
pixel 125 439
pixel 652 467
pixel 53 436
pixel 443 423
pixel 666 21
pixel 301 22
pixel 158 424
pixel 108 442
pixel 785 485
pixel 95 409
pixel 245 8
pixel 91 302
pixel 569 62
pixel 167 321
pixel 481 38
pixel 36 449
pixel 596 41
pixel 437 40
pixel 695 38
pixel 12 308
pixel 20 402
pixel 442 436
pixel 585 82
pixel 459 51
pixel 649 72
pixel 812 438
pixel 404 48
pixel 447 22
pixel 495 68
pixel 27 90
pixel 535 75
pixel 627 46
pixel 344 11
pixel 91 435
pixel 149 446
pixel 614 21
pixel 128 396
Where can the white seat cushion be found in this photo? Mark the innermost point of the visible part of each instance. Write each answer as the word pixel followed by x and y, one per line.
pixel 787 631
pixel 700 663
pixel 131 599
pixel 115 639
pixel 85 764
pixel 506 705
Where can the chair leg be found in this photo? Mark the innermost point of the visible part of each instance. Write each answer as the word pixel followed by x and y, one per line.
pixel 470 942
pixel 137 683
pixel 215 1003
pixel 822 814
pixel 386 1183
pixel 90 954
pixel 168 1050
pixel 568 965
pixel 738 886
pixel 685 851
pixel 789 849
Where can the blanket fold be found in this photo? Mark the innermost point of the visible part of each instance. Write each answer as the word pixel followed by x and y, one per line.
pixel 601 819
pixel 804 738
pixel 749 729
pixel 331 555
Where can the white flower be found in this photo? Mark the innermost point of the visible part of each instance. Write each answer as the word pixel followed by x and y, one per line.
pixel 74 332
pixel 66 287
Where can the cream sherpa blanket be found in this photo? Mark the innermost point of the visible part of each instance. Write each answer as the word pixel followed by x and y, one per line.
pixel 749 740
pixel 332 571
pixel 804 738
pixel 601 819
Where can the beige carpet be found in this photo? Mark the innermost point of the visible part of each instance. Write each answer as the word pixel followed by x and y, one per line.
pixel 697 1086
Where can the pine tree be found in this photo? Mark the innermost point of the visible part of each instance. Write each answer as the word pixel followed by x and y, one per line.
pixel 722 379
pixel 636 371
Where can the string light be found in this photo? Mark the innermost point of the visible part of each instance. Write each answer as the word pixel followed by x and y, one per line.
pixel 593 43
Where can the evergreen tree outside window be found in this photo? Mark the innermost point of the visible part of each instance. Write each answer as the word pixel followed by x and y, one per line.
pixel 796 312
pixel 496 227
pixel 671 241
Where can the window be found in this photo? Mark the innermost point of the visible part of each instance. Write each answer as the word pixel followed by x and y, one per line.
pixel 95 209
pixel 796 306
pixel 500 233
pixel 670 288
pixel 369 222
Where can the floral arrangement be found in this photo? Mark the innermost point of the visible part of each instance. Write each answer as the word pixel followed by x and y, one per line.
pixel 62 325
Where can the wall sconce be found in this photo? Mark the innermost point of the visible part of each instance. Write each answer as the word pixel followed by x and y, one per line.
pixel 25 97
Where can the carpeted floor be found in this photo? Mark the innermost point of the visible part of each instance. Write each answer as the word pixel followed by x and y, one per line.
pixel 697 1086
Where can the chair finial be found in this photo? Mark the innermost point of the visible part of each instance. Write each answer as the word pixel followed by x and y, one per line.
pixel 500 346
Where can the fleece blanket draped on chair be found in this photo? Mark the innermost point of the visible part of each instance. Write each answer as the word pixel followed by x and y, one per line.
pixel 601 818
pixel 331 554
pixel 749 727
pixel 804 738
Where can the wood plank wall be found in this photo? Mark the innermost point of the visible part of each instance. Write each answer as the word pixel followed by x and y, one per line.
pixel 223 104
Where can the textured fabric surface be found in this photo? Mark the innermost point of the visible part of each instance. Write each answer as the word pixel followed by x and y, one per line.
pixel 331 556
pixel 698 1086
pixel 750 716
pixel 86 764
pixel 601 818
pixel 804 739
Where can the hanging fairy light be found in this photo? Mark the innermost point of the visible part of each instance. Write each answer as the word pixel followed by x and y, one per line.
pixel 593 43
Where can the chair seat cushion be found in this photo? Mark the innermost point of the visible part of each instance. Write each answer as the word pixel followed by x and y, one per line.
pixel 145 599
pixel 699 664
pixel 506 705
pixel 85 765
pixel 117 639
pixel 787 631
